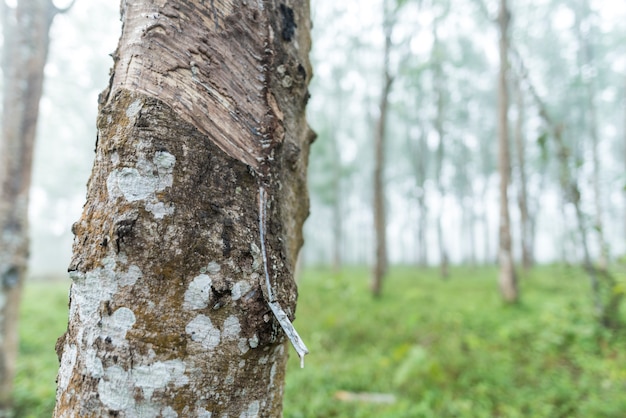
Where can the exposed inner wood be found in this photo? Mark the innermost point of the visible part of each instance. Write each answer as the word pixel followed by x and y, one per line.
pixel 229 78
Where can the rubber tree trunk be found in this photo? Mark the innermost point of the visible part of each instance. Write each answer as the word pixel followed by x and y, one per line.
pixel 25 29
pixel 508 279
pixel 439 120
pixel 194 215
pixel 586 59
pixel 526 222
pixel 380 221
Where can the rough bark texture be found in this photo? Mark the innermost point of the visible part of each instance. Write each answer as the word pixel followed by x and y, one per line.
pixel 169 311
pixel 380 222
pixel 508 279
pixel 25 29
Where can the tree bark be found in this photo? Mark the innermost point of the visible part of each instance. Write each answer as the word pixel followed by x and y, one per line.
pixel 26 29
pixel 508 279
pixel 193 221
pixel 526 223
pixel 380 222
pixel 335 155
pixel 439 118
pixel 419 163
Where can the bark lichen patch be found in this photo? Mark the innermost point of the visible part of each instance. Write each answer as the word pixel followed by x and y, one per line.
pixel 252 411
pixel 144 182
pixel 231 328
pixel 158 375
pixel 117 388
pixel 134 108
pixel 203 413
pixel 198 293
pixel 68 361
pixel 202 330
pixel 240 289
pixel 117 325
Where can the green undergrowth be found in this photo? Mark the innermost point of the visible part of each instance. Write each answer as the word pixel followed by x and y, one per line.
pixel 437 348
pixel 452 349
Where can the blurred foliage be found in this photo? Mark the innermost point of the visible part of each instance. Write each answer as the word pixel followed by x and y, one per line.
pixel 442 348
pixel 451 349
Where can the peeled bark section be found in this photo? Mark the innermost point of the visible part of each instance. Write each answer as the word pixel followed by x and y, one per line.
pixel 169 310
pixel 223 53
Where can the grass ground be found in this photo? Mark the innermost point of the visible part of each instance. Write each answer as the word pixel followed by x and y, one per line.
pixel 440 348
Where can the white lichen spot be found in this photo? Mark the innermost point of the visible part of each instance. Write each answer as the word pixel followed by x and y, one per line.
pixel 115 158
pixel 242 364
pixel 158 375
pixel 253 341
pixel 232 328
pixel 115 389
pixel 130 277
pixel 239 289
pixel 257 261
pixel 243 345
pixel 198 293
pixel 203 413
pixel 131 184
pixel 252 411
pixel 272 374
pixel 164 161
pixel 213 268
pixel 263 360
pixel 168 412
pixel 202 330
pixel 160 210
pixel 93 365
pixel 134 109
pixel 68 361
pixel 143 181
pixel 116 325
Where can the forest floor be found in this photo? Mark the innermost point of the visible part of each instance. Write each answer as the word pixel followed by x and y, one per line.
pixel 426 348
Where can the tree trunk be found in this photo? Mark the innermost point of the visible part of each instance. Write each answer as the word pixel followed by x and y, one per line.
pixel 439 118
pixel 25 28
pixel 380 222
pixel 189 238
pixel 586 60
pixel 335 155
pixel 508 280
pixel 526 227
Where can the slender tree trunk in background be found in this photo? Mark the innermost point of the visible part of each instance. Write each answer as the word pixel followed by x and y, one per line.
pixel 194 214
pixel 420 168
pixel 419 163
pixel 586 60
pixel 439 118
pixel 526 227
pixel 336 184
pixel 471 233
pixel 380 222
pixel 26 29
pixel 508 279
pixel 606 297
pixel 489 257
